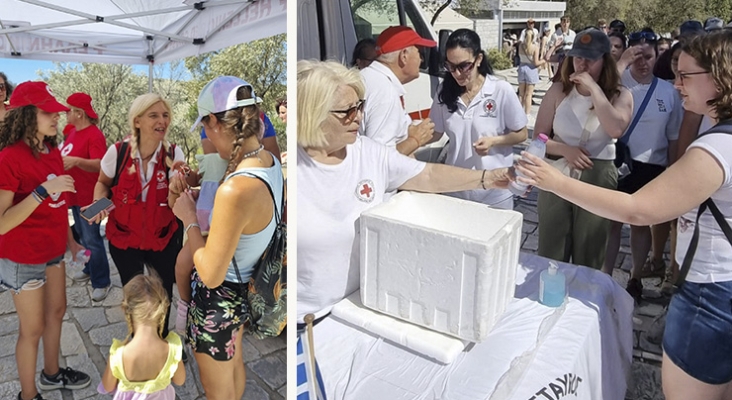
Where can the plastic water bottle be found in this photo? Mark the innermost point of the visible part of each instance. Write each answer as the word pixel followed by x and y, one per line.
pixel 82 257
pixel 552 286
pixel 537 148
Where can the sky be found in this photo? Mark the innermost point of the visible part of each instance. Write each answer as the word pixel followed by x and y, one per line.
pixel 27 70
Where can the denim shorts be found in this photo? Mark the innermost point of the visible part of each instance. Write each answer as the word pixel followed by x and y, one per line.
pixel 15 276
pixel 698 335
pixel 528 74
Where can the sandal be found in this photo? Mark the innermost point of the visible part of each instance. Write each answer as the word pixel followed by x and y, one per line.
pixel 653 268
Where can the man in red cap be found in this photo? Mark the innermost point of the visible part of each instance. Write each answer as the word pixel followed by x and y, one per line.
pixel 82 152
pixel 385 117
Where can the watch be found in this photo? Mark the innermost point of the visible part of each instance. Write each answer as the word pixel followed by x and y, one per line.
pixel 41 191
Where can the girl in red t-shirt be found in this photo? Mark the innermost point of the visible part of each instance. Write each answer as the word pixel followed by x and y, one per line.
pixel 34 234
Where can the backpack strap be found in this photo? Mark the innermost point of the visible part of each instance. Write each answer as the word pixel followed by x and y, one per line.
pixel 122 148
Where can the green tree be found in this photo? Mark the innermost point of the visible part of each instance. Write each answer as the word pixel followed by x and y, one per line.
pixel 262 63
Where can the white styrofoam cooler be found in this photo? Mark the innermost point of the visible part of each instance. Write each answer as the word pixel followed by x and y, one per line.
pixel 440 262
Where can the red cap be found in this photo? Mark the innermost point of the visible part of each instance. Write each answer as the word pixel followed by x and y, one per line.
pixel 83 101
pixel 67 129
pixel 37 94
pixel 399 37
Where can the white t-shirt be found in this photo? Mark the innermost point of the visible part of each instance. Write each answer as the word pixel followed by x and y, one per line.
pixel 109 163
pixel 659 123
pixel 568 39
pixel 384 117
pixel 523 35
pixel 494 111
pixel 713 258
pixel 330 199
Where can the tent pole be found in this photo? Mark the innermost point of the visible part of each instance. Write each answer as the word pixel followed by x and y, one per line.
pixel 150 78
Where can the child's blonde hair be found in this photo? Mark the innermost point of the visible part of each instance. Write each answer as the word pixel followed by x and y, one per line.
pixel 145 300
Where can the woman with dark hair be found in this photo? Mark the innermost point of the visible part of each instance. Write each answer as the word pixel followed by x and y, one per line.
pixel 479 113
pixel 587 109
pixel 6 89
pixel 618 44
pixel 364 53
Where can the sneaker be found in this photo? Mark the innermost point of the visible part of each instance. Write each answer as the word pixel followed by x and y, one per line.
pixel 80 276
pixel 66 378
pixel 99 294
pixel 635 289
pixel 38 397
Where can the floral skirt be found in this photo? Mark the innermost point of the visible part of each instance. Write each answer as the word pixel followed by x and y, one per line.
pixel 214 315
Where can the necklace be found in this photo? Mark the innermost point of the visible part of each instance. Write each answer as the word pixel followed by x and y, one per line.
pixel 469 95
pixel 253 152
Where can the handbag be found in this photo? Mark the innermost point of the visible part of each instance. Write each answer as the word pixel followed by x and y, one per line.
pixel 267 294
pixel 622 151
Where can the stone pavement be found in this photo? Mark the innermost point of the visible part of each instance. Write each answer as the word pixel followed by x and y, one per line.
pixel 645 380
pixel 87 333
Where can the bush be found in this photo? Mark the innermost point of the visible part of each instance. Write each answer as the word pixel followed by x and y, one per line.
pixel 499 60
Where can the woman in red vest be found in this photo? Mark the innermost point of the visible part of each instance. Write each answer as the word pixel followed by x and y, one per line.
pixel 34 234
pixel 142 229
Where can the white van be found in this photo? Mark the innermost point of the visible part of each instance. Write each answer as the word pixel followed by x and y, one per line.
pixel 330 29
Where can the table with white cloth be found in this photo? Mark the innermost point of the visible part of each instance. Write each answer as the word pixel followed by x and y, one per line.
pixel 582 350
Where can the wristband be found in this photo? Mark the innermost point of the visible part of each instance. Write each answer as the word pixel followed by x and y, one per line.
pixel 185 232
pixel 482 180
pixel 41 192
pixel 37 197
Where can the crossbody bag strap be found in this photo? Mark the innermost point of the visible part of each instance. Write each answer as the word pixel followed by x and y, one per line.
pixel 641 110
pixel 721 221
pixel 124 149
pixel 686 265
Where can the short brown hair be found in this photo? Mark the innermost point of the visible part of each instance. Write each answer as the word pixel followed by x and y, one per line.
pixel 713 52
pixel 565 18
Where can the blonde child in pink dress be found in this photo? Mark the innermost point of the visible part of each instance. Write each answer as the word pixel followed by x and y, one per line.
pixel 143 366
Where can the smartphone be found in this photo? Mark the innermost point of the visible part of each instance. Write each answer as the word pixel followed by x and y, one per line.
pixel 97 207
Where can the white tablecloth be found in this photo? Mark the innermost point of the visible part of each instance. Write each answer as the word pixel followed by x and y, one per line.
pixel 583 349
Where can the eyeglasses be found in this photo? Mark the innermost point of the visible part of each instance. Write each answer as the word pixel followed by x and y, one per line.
pixel 349 114
pixel 463 67
pixel 684 75
pixel 2 86
pixel 642 36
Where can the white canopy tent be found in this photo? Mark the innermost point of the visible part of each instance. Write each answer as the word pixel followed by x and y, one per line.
pixel 132 31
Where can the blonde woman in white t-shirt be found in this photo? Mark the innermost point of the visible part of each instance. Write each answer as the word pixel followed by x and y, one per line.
pixel 341 174
pixel 697 342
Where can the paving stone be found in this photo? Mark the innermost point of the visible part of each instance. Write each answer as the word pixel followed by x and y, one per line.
pixel 649 348
pixel 7 344
pixel 531 243
pixel 114 314
pixel 249 352
pixel 6 303
pixel 114 298
pixel 283 391
pixel 649 309
pixel 528 227
pixel 90 318
pixel 269 345
pixel 9 324
pixel 103 336
pixel 271 369
pixel 77 296
pixel 8 370
pixel 9 390
pixel 253 391
pixel 71 342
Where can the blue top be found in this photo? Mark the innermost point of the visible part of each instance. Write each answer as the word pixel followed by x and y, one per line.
pixel 250 247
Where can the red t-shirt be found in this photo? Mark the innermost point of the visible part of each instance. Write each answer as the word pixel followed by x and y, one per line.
pixel 42 236
pixel 88 143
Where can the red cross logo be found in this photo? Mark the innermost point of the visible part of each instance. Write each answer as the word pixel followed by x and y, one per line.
pixel 489 106
pixel 364 191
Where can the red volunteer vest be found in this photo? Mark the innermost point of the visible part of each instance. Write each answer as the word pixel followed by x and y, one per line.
pixel 138 224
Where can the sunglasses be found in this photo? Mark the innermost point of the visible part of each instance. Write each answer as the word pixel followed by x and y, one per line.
pixel 463 67
pixel 642 36
pixel 350 113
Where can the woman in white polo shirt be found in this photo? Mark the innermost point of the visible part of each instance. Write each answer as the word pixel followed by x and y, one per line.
pixel 479 113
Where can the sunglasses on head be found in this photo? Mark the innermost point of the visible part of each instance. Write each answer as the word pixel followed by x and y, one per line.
pixel 642 36
pixel 463 67
pixel 351 112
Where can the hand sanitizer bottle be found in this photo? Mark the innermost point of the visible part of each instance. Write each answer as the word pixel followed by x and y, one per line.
pixel 552 286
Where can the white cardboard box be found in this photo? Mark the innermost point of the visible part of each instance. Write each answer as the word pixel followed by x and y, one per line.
pixel 443 263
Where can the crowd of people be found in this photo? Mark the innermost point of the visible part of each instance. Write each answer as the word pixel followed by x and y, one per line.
pixel 156 218
pixel 623 114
